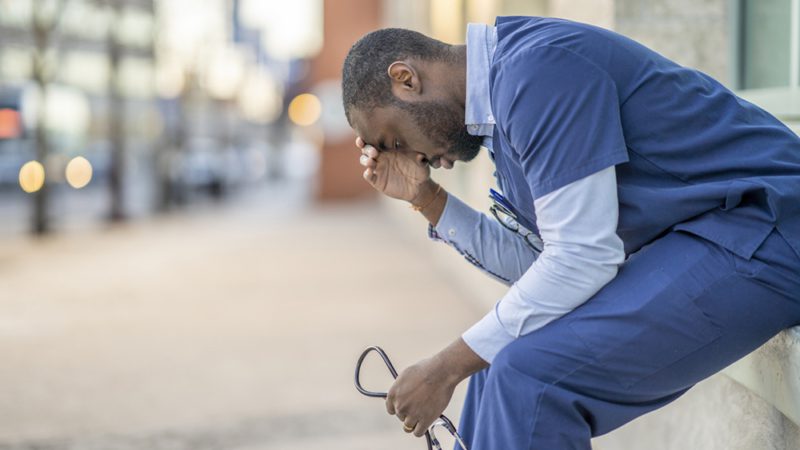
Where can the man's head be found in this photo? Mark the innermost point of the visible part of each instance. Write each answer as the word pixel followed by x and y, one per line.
pixel 404 90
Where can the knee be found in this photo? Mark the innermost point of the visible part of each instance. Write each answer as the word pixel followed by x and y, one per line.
pixel 520 359
pixel 547 355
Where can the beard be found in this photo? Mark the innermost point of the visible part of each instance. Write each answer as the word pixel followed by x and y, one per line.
pixel 445 128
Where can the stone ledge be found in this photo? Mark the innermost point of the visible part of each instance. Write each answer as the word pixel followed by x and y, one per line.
pixel 773 372
pixel 717 414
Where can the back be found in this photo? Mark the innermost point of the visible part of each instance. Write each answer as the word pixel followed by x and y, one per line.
pixel 698 157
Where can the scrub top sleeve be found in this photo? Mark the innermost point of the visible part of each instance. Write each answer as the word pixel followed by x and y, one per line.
pixel 560 114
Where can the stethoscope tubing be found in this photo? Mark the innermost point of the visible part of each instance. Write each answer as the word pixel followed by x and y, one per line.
pixel 447 423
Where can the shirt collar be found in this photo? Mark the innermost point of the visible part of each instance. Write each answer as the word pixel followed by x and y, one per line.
pixel 481 44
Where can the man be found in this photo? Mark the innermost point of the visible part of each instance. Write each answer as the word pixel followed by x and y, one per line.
pixel 668 209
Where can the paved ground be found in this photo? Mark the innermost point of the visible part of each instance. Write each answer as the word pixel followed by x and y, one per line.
pixel 229 328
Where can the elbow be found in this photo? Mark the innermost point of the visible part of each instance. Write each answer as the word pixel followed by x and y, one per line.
pixel 606 269
pixel 607 257
pixel 586 271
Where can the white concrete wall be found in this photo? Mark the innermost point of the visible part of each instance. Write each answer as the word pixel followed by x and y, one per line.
pixel 694 33
pixel 717 414
pixel 595 12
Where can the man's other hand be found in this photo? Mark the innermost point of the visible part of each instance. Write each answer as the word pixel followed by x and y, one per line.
pixel 421 392
pixel 419 395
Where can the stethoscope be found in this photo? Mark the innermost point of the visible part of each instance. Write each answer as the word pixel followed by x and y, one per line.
pixel 504 212
pixel 442 421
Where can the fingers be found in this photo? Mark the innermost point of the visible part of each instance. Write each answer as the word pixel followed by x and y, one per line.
pixel 390 398
pixel 410 423
pixel 415 426
pixel 369 160
pixel 359 142
pixel 370 176
pixel 410 426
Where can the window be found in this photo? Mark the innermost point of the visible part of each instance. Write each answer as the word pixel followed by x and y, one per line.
pixel 766 56
pixel 769 43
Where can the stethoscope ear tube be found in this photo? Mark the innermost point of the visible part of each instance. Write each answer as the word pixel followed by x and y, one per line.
pixel 386 361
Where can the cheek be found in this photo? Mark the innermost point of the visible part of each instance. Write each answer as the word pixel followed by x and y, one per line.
pixel 428 150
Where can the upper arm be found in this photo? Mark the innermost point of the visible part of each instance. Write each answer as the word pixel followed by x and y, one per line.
pixel 560 114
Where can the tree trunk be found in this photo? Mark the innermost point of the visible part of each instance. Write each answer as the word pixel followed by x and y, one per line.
pixel 116 121
pixel 42 29
pixel 41 222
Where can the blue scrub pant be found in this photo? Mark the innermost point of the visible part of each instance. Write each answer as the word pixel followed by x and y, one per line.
pixel 680 309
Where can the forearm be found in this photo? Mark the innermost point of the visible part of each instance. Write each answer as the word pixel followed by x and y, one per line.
pixel 579 223
pixel 483 242
pixel 457 361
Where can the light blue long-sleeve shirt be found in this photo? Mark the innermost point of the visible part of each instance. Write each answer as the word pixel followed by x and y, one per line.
pixel 577 226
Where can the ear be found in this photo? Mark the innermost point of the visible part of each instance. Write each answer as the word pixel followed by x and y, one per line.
pixel 405 80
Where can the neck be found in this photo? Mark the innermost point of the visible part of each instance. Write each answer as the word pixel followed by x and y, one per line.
pixel 458 71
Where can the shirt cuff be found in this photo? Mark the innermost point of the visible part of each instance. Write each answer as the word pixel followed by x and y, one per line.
pixel 487 337
pixel 458 220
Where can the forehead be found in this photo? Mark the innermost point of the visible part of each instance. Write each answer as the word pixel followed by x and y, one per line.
pixel 372 125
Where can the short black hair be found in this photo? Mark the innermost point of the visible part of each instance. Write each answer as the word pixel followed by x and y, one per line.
pixel 365 83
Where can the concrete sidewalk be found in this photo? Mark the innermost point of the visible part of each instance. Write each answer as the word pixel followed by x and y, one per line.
pixel 232 328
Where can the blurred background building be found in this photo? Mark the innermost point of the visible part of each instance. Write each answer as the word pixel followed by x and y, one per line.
pixel 162 101
pixel 166 101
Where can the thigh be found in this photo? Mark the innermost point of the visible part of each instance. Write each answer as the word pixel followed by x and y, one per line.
pixel 679 310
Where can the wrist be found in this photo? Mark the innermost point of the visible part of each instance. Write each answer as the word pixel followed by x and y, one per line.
pixel 458 361
pixel 426 195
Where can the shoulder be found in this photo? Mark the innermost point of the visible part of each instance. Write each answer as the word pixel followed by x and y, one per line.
pixel 527 39
pixel 515 34
pixel 547 71
pixel 546 44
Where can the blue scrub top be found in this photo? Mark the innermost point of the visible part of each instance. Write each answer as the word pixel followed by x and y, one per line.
pixel 571 99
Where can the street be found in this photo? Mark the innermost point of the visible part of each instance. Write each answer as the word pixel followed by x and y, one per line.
pixel 234 326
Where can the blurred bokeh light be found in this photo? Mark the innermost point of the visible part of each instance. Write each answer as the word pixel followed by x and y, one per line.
pixel 9 124
pixel 31 176
pixel 78 172
pixel 305 109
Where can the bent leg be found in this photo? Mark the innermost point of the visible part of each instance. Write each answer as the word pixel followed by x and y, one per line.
pixel 680 310
pixel 469 413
